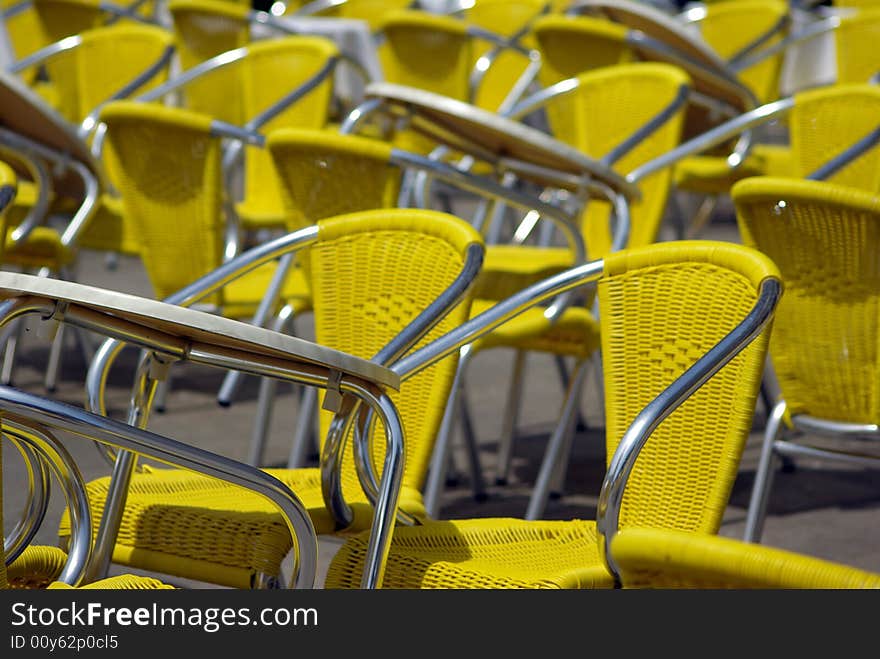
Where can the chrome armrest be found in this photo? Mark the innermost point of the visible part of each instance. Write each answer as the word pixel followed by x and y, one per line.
pixel 849 154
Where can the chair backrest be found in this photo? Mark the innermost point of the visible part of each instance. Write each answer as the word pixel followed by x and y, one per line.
pixel 272 69
pixel 855 44
pixel 371 11
pixel 824 239
pixel 571 45
pixel 609 106
pixel 827 120
pixel 732 25
pixel 202 30
pixel 108 58
pixel 323 174
pixel 61 18
pixel 171 183
pixel 662 307
pixel 370 279
pixel 427 51
pixel 659 558
pixel 507 19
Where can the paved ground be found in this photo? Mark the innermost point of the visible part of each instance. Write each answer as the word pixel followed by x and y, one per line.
pixel 830 512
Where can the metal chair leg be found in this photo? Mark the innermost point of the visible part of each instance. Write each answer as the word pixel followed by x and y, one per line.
pixel 161 399
pixel 562 368
pixel 702 216
pixel 303 437
pixel 757 511
pixel 556 447
pixel 478 484
pixel 9 354
pixel 508 420
pixel 54 363
pixel 262 421
pixel 442 445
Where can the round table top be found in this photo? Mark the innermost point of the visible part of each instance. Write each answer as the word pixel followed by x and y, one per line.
pixel 489 136
pixel 705 66
pixel 191 326
pixel 22 111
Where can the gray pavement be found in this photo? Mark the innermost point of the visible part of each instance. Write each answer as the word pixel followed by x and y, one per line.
pixel 830 512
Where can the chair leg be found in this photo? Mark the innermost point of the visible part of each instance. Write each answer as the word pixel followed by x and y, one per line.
pixel 478 484
pixel 54 364
pixel 266 400
pixel 231 383
pixel 562 368
pixel 508 419
pixel 554 455
pixel 442 445
pixel 303 437
pixel 702 216
pixel 757 511
pixel 16 327
pixel 162 394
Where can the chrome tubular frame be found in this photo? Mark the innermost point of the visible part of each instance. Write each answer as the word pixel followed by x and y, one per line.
pixel 29 409
pixel 849 154
pixel 331 459
pixel 37 502
pixel 810 32
pixel 713 137
pixel 759 41
pixel 639 432
pixel 53 454
pixel 43 183
pixel 40 56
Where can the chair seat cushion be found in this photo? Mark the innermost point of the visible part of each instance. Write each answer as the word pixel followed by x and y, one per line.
pixel 481 553
pixel 185 524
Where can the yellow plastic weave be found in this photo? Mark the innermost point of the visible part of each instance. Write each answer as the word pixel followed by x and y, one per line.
pixel 662 307
pixel 203 29
pixel 732 25
pixel 823 237
pixel 825 121
pixel 660 558
pixel 324 174
pixel 372 273
pixel 272 69
pixel 856 45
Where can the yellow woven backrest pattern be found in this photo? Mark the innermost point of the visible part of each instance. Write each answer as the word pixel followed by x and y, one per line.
pixel 272 69
pixel 824 239
pixel 732 25
pixel 661 308
pixel 608 107
pixel 324 174
pixel 504 18
pixel 169 177
pixel 825 121
pixel 370 278
pixel 856 40
pixel 202 30
pixel 107 59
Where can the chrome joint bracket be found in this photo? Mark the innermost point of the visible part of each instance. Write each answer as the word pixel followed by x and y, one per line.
pixel 159 366
pixel 48 327
pixel 333 395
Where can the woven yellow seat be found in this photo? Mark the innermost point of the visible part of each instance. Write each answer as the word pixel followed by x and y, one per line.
pixel 661 308
pixel 371 274
pixel 660 558
pixel 824 238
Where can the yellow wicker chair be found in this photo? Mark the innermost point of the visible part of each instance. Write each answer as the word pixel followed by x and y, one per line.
pixel 104 63
pixel 171 183
pixel 855 46
pixel 371 273
pixel 662 558
pixel 270 69
pixel 681 476
pixel 607 107
pixel 823 236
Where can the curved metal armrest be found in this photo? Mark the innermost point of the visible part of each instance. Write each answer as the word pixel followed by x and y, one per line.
pixel 849 154
pixel 639 432
pixel 713 137
pixel 39 414
pixel 37 501
pixel 747 60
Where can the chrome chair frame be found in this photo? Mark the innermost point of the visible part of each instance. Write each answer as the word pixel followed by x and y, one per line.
pixel 160 350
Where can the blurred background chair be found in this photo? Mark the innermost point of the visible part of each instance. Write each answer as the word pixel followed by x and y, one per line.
pixel 662 558
pixel 824 238
pixel 372 274
pixel 672 471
